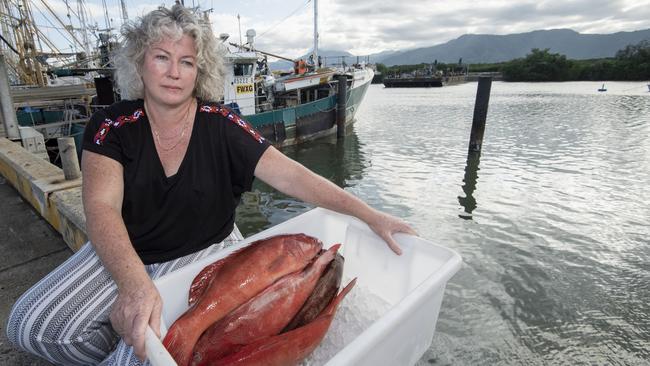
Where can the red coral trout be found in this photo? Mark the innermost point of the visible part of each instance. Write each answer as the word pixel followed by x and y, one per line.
pixel 291 347
pixel 238 278
pixel 325 290
pixel 264 315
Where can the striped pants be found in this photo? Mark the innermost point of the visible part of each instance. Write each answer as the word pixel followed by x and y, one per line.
pixel 64 318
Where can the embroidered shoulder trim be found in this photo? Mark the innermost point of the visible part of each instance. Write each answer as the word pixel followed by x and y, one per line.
pixel 106 126
pixel 233 117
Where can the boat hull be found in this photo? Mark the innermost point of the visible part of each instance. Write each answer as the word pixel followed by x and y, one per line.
pixel 416 82
pixel 311 120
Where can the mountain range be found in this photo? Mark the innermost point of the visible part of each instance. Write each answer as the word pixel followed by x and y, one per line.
pixel 487 48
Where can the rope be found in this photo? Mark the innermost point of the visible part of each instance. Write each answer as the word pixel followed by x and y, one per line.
pixel 9 44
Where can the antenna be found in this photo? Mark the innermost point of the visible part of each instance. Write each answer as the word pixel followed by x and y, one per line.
pixel 239 22
pixel 315 51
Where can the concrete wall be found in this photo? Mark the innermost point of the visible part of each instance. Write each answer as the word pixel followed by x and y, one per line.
pixel 43 185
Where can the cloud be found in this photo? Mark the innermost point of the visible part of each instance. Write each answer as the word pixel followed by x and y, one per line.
pixel 395 25
pixel 370 26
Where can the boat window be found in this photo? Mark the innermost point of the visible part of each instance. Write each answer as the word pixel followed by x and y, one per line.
pixel 243 69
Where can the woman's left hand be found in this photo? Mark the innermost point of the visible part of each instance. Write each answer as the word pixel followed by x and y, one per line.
pixel 386 225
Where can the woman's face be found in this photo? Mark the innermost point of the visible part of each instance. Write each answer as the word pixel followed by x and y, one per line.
pixel 169 72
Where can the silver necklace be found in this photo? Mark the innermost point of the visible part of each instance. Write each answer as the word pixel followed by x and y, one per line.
pixel 155 130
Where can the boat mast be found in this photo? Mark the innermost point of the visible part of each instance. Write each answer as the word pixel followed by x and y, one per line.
pixel 125 15
pixel 315 51
pixel 84 33
pixel 30 67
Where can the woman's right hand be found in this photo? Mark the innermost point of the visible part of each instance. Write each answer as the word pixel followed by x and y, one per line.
pixel 138 305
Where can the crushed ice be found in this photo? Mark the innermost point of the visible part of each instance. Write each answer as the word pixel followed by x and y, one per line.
pixel 358 311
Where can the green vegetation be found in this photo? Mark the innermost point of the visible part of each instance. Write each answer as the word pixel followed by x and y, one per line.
pixel 540 65
pixel 631 63
pixel 421 68
pixel 495 67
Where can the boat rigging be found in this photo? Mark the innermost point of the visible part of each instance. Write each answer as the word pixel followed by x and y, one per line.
pixel 33 51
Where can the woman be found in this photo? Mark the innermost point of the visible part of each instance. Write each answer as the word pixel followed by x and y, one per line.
pixel 162 176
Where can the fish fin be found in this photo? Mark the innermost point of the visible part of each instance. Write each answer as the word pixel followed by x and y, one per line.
pixel 331 308
pixel 329 254
pixel 202 281
pixel 335 247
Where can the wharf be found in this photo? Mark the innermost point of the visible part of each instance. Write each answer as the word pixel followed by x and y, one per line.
pixel 31 248
pixel 473 76
pixel 41 224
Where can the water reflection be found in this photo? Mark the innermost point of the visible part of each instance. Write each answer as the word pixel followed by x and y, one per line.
pixel 341 161
pixel 556 260
pixel 471 176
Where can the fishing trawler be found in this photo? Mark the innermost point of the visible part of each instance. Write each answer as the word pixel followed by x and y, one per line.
pixel 301 105
pixel 296 107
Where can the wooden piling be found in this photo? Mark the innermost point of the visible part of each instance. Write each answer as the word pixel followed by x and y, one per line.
pixel 480 113
pixel 469 184
pixel 341 105
pixel 69 160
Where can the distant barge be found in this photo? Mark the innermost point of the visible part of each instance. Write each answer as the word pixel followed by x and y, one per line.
pixel 414 82
pixel 423 81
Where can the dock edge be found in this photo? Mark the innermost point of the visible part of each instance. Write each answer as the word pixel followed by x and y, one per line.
pixel 43 185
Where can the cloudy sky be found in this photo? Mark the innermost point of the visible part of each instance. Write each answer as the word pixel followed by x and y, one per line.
pixel 285 27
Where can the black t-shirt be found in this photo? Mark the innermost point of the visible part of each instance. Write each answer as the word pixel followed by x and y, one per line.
pixel 169 217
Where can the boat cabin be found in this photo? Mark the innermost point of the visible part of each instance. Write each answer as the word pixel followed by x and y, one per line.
pixel 239 81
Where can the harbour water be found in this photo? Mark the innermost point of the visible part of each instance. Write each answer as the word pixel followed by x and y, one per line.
pixel 551 219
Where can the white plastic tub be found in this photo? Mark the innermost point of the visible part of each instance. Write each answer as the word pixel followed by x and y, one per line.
pixel 413 284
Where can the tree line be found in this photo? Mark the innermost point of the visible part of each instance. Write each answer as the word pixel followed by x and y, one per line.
pixel 630 63
pixel 422 69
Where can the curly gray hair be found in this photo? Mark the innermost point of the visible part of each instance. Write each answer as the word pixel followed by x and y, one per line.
pixel 152 28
